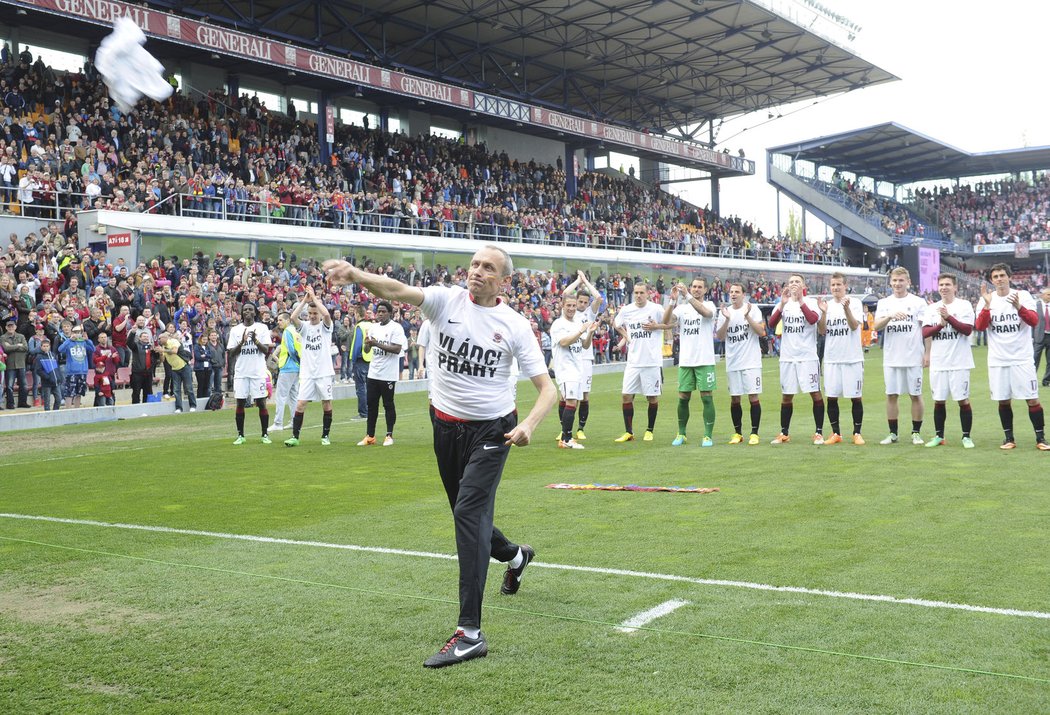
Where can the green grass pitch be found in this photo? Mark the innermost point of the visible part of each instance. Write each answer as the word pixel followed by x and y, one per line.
pixel 119 620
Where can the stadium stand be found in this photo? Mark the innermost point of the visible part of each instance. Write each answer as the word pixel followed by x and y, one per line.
pixel 992 212
pixel 230 158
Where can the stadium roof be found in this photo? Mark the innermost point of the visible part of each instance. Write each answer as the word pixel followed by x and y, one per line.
pixel 891 152
pixel 644 64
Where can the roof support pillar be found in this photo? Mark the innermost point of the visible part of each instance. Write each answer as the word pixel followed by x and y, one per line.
pixel 570 171
pixel 714 196
pixel 323 102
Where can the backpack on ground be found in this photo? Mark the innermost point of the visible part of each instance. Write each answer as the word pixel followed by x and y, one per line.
pixel 215 402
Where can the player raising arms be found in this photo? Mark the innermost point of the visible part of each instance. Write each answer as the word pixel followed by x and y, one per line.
pixel 638 324
pixel 740 326
pixel 475 420
pixel 316 373
pixel 589 305
pixel 900 315
pixel 949 323
pixel 248 344
pixel 569 340
pixel 840 322
pixel 799 364
pixel 1008 316
pixel 696 353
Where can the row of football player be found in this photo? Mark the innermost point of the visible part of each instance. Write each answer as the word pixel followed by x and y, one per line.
pixel 917 334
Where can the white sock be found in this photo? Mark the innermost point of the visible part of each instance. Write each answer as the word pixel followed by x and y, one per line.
pixel 469 632
pixel 518 558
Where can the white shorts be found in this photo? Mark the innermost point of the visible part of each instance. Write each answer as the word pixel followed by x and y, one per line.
pixel 1013 382
pixel 315 388
pixel 950 383
pixel 642 381
pixel 571 390
pixel 249 388
pixel 903 380
pixel 844 379
pixel 586 373
pixel 744 382
pixel 796 377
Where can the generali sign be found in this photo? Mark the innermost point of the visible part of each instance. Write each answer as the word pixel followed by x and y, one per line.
pixel 232 42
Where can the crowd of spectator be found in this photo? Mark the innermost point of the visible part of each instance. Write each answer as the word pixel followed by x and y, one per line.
pixel 893 216
pixel 990 212
pixel 65 146
pixel 106 323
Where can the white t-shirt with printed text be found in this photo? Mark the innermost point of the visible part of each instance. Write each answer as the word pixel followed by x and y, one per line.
pixel 696 335
pixel 842 345
pixel 251 362
pixel 902 344
pixel 566 361
pixel 315 359
pixel 585 317
pixel 1009 337
pixel 386 366
pixel 950 349
pixel 644 347
pixel 743 349
pixel 472 347
pixel 798 341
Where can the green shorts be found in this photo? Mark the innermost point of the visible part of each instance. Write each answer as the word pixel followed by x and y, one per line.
pixel 696 378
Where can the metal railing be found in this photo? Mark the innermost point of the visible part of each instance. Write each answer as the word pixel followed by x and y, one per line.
pixel 349 217
pixel 926 235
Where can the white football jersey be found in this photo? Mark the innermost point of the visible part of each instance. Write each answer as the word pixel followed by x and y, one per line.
pixel 902 344
pixel 585 317
pixel 950 349
pixel 645 347
pixel 472 347
pixel 696 335
pixel 386 366
pixel 842 345
pixel 251 362
pixel 566 361
pixel 798 342
pixel 743 349
pixel 315 360
pixel 1009 337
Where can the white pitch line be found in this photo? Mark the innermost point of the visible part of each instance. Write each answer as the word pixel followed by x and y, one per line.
pixel 632 624
pixel 562 567
pixel 70 456
pixel 136 449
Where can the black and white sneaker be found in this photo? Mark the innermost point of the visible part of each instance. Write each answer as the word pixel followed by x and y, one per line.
pixel 457 649
pixel 512 579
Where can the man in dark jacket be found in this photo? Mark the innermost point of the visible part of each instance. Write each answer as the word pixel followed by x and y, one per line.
pixel 17 349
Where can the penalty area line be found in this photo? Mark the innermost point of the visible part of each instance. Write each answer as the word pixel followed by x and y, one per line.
pixel 877 598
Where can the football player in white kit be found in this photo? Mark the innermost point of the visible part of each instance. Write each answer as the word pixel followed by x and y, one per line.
pixel 638 323
pixel 840 322
pixel 569 340
pixel 1008 316
pixel 799 364
pixel 248 345
pixel 740 326
pixel 589 305
pixel 949 323
pixel 899 316
pixel 316 373
pixel 696 354
pixel 386 338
